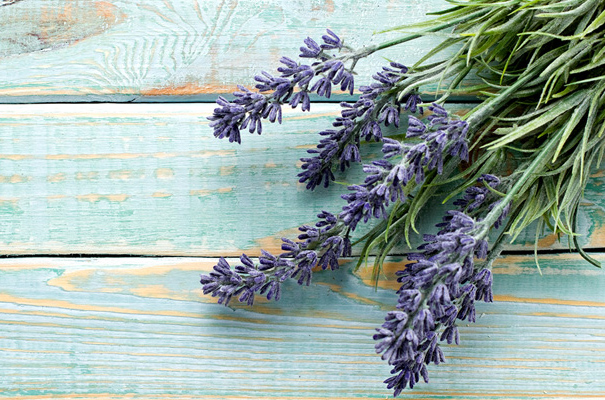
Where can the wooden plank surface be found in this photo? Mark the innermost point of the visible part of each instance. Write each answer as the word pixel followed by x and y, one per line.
pixel 152 180
pixel 140 328
pixel 121 50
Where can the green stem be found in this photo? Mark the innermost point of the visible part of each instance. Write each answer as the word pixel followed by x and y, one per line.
pixel 381 46
pixel 540 160
pixel 477 116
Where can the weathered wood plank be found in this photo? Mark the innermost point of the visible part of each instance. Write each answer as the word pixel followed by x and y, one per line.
pixel 152 180
pixel 109 328
pixel 120 50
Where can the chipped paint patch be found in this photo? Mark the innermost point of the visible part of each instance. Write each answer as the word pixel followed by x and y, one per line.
pixel 55 178
pixel 162 195
pixel 95 198
pixel 15 178
pixel 164 173
pixel 32 29
pixel 87 176
pixel 208 192
pixel 126 174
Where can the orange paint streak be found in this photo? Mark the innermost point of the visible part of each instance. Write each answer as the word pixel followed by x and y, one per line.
pixel 313 116
pixel 19 266
pixel 156 291
pixel 164 173
pixel 121 156
pixel 512 359
pixel 14 178
pixel 105 10
pixel 15 157
pixel 11 203
pixel 187 89
pixel 566 315
pixel 124 174
pixel 272 243
pixel 548 241
pixel 512 299
pixel 89 176
pixel 515 366
pixel 6 298
pixel 161 195
pixel 94 198
pixel 55 178
pixel 226 170
pixel 208 192
pixel 246 396
pixel 330 6
pixel 353 296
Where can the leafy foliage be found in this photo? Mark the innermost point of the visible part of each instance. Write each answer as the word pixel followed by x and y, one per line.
pixel 522 155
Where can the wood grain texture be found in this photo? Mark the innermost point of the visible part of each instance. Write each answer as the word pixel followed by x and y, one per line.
pixel 139 328
pixel 152 180
pixel 120 50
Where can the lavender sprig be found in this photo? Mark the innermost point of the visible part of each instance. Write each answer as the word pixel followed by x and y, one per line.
pixel 378 105
pixel 437 289
pixel 322 244
pixel 328 240
pixel 385 181
pixel 293 86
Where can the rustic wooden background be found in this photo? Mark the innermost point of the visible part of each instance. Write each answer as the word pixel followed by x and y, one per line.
pixel 91 195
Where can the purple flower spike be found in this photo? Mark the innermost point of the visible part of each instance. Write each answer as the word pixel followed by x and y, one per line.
pixel 331 41
pixel 292 86
pixel 438 288
pixel 362 119
pixel 301 97
pixel 385 181
pixel 323 87
pixel 322 244
pixel 310 50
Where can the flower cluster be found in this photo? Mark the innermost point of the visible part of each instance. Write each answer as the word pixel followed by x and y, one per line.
pixel 377 105
pixel 385 181
pixel 476 196
pixel 293 86
pixel 438 288
pixel 322 244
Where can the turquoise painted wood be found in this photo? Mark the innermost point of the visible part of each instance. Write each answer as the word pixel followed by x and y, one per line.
pixel 120 50
pixel 152 180
pixel 139 328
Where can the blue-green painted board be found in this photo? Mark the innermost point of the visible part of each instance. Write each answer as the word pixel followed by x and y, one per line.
pixel 152 179
pixel 121 50
pixel 113 328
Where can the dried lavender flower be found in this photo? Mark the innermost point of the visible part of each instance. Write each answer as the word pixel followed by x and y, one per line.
pixel 438 288
pixel 385 181
pixel 293 86
pixel 376 106
pixel 323 244
pixel 535 113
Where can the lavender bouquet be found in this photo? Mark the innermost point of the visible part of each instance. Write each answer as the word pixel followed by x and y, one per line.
pixel 541 68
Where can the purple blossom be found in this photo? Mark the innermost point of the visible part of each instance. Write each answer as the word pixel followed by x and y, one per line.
pixel 359 120
pixel 322 244
pixel 385 181
pixel 438 288
pixel 331 41
pixel 372 197
pixel 475 196
pixel 292 86
pixel 310 50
